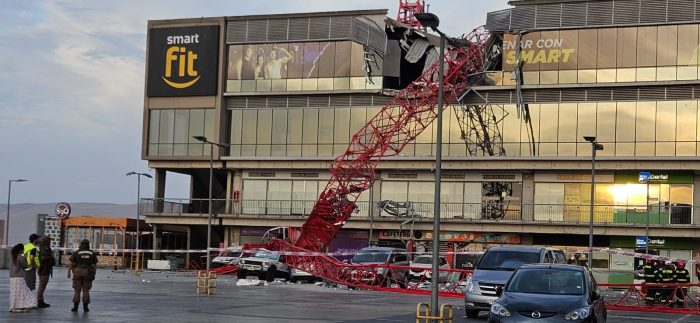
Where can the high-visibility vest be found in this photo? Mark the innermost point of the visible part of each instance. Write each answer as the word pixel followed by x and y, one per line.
pixel 666 275
pixel 27 249
pixel 682 276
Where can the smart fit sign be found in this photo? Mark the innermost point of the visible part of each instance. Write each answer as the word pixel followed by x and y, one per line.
pixel 183 61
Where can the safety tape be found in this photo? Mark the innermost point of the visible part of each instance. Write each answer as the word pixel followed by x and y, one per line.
pixel 352 253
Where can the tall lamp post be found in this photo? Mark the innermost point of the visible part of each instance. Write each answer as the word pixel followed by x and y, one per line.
pixel 138 205
pixel 431 21
pixel 211 176
pixel 595 146
pixel 7 216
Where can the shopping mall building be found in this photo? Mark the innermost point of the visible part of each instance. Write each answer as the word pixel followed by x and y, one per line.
pixel 285 94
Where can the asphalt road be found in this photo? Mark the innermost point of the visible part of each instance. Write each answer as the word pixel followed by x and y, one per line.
pixel 171 297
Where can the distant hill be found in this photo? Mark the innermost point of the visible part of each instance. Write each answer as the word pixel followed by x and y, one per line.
pixel 23 216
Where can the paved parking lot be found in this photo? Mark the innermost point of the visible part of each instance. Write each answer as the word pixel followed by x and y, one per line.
pixel 159 297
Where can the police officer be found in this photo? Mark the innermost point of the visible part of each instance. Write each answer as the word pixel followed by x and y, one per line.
pixel 650 277
pixel 682 277
pixel 83 264
pixel 31 254
pixel 667 276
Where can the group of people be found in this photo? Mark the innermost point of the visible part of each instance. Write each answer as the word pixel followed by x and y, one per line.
pixel 658 272
pixel 36 258
pixel 256 67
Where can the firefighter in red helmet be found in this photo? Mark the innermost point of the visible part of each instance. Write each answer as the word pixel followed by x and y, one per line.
pixel 682 277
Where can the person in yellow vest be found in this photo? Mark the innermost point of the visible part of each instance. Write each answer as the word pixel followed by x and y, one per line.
pixel 31 254
pixel 682 277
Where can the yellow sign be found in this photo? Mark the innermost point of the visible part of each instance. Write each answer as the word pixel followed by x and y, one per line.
pixel 534 51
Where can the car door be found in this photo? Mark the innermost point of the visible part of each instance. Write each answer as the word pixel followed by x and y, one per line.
pixel 596 297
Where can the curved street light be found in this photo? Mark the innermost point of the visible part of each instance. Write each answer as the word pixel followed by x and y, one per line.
pixel 138 205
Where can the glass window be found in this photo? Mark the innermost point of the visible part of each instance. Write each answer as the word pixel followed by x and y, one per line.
pixel 625 124
pixel 549 119
pixel 342 59
pixel 254 194
pixel 209 122
pixel 180 133
pixel 296 62
pixel 666 121
pixel 606 122
pixel 236 131
pixel 687 121
pixel 235 61
pixel 326 62
pixel 153 129
pixel 607 55
pixel 687 44
pixel 548 52
pixel 529 52
pixel 588 48
pixel 627 47
pixel 567 122
pixel 646 121
pixel 646 46
pixel 421 192
pixel 264 134
pixel 166 126
pixel 310 133
pixel 311 53
pixel 357 67
pixel 569 52
pixel 250 120
pixel 395 191
pixel 667 52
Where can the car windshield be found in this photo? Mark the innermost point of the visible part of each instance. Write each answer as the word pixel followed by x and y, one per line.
pixel 271 256
pixel 370 256
pixel 507 260
pixel 547 281
pixel 423 260
pixel 230 253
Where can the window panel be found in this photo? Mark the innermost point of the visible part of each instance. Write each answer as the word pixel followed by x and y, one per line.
pixel 236 132
pixel 342 59
pixel 607 54
pixel 421 192
pixel 529 52
pixel 687 73
pixel 646 74
pixel 568 77
pixel 180 133
pixel 325 126
pixel 295 64
pixel 666 73
pixel 627 47
pixel 549 119
pixel 525 131
pixel 666 121
pixel 687 43
pixel 626 74
pixel 687 121
pixel 153 129
pixel 667 48
pixel 209 123
pixel 394 191
pixel 588 48
pixel 294 125
pixel 646 46
pixel 606 122
pixel 279 126
pixel 548 61
pixel 326 62
pixel 166 125
pixel 569 58
pixel 264 134
pixel 235 61
pixel 567 122
pixel 646 121
pixel 311 53
pixel 357 57
pixel 511 124
pixel 250 120
pixel 587 76
pixel 625 124
pixel 586 125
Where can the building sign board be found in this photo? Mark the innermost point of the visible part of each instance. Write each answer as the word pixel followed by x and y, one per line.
pixel 183 61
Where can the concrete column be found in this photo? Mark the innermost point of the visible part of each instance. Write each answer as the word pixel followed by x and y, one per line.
pixel 156 242
pixel 237 186
pixel 159 190
pixel 528 199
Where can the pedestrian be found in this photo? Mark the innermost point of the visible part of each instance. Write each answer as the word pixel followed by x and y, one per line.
pixel 31 253
pixel 682 277
pixel 666 276
pixel 650 277
pixel 83 267
pixel 46 261
pixel 21 298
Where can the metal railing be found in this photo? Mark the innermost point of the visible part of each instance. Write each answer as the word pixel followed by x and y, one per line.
pixel 616 215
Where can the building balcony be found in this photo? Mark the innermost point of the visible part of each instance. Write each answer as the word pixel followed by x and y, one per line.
pixel 634 216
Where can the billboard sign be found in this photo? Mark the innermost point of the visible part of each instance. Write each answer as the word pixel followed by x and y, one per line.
pixel 183 61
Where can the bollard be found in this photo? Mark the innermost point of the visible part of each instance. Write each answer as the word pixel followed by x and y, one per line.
pixel 444 317
pixel 206 282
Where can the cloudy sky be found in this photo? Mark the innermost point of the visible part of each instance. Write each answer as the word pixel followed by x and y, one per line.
pixel 72 73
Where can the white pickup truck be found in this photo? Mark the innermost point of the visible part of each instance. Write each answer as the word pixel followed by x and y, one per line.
pixel 269 265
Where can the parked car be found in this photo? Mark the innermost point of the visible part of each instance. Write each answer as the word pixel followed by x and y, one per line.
pixel 495 268
pixel 422 267
pixel 230 256
pixel 552 293
pixel 385 256
pixel 269 265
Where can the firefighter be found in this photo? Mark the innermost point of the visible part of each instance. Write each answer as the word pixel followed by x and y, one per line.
pixel 667 276
pixel 682 277
pixel 650 274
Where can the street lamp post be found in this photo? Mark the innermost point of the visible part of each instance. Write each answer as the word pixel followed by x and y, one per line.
pixel 595 146
pixel 431 21
pixel 211 176
pixel 138 207
pixel 7 216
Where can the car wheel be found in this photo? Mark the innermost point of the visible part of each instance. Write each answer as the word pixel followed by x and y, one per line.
pixel 270 274
pixel 472 314
pixel 240 274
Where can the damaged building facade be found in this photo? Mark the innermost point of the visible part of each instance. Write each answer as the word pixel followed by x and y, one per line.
pixel 285 94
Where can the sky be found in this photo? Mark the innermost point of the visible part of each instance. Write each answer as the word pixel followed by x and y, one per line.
pixel 72 83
